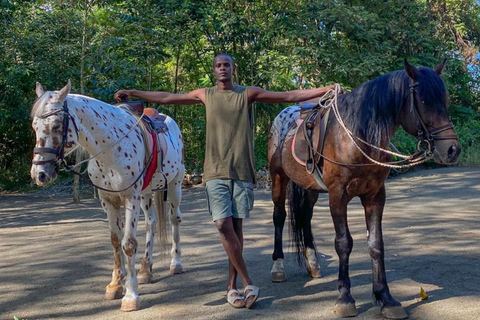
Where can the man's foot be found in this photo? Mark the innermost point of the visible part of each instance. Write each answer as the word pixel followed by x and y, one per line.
pixel 235 299
pixel 251 295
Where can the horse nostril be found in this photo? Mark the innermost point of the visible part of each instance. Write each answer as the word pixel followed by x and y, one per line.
pixel 42 176
pixel 453 151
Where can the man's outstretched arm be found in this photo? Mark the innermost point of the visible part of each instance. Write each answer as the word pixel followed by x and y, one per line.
pixel 294 96
pixel 193 97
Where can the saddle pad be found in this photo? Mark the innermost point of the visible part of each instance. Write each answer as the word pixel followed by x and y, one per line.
pixel 152 166
pixel 155 149
pixel 302 147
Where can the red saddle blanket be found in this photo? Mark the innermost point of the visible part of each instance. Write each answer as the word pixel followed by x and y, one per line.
pixel 156 148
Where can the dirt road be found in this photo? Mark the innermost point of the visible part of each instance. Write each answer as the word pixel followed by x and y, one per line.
pixel 56 258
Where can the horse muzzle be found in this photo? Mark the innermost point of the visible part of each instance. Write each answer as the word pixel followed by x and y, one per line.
pixel 446 152
pixel 43 174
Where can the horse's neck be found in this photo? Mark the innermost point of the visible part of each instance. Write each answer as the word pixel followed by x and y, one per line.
pixel 99 124
pixel 372 113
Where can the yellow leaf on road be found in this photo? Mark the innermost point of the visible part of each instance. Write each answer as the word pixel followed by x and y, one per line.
pixel 422 294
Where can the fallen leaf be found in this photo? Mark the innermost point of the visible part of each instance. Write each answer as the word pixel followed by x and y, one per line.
pixel 423 295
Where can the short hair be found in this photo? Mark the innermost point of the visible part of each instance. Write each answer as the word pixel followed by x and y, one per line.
pixel 224 55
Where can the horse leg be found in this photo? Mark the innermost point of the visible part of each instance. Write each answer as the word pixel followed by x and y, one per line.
pixel 279 186
pixel 391 308
pixel 112 208
pixel 301 203
pixel 313 267
pixel 131 300
pixel 175 197
pixel 345 305
pixel 145 273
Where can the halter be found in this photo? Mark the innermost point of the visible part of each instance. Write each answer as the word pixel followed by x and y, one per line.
pixel 427 137
pixel 58 153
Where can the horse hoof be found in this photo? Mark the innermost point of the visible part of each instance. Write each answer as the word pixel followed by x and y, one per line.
pixel 144 278
pixel 346 310
pixel 278 271
pixel 394 313
pixel 314 272
pixel 278 276
pixel 113 292
pixel 132 305
pixel 176 268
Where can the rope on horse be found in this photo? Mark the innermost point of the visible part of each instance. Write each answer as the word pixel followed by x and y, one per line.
pixel 332 103
pixel 108 146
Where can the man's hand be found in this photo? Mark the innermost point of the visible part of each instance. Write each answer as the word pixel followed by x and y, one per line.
pixel 340 90
pixel 123 95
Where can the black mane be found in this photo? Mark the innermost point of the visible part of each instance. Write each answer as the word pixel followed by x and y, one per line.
pixel 371 111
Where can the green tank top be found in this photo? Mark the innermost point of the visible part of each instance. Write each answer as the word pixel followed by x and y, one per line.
pixel 229 142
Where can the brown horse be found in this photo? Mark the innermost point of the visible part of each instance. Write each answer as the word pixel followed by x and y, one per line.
pixel 354 162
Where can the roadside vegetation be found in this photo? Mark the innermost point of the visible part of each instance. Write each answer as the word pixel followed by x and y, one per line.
pixel 169 45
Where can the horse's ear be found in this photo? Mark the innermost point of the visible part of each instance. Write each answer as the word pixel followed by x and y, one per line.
pixel 411 70
pixel 39 90
pixel 439 68
pixel 62 94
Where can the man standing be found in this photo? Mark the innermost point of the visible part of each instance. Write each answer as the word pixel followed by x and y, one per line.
pixel 229 169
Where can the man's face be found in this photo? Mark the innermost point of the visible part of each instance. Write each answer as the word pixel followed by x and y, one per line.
pixel 223 68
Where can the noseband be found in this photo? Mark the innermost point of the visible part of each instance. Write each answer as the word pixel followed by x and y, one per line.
pixel 58 153
pixel 427 137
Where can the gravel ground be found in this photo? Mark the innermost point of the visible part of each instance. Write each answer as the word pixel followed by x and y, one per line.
pixel 57 258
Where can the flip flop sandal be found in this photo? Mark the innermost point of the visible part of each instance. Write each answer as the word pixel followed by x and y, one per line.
pixel 254 291
pixel 231 298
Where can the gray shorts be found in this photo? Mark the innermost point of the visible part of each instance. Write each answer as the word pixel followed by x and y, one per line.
pixel 229 198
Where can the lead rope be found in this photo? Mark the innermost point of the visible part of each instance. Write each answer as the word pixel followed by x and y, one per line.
pixel 332 103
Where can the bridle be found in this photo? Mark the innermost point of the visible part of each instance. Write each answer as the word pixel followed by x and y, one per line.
pixel 426 138
pixel 58 153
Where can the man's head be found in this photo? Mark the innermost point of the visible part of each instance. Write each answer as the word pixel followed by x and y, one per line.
pixel 223 66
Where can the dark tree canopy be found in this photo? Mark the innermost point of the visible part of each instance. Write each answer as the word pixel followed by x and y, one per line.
pixel 169 45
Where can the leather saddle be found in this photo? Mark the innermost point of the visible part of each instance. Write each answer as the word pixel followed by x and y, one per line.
pixel 309 138
pixel 154 121
pixel 152 124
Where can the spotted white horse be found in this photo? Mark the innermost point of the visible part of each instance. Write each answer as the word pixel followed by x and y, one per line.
pixel 113 138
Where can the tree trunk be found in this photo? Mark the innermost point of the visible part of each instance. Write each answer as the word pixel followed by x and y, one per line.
pixel 78 154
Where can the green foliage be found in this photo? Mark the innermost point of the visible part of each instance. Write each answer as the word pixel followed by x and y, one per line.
pixel 169 45
pixel 469 136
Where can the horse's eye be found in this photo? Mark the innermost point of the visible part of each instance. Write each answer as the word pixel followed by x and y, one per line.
pixel 423 102
pixel 56 127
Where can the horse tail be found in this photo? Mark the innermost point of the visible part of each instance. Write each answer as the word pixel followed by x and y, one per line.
pixel 160 204
pixel 301 211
